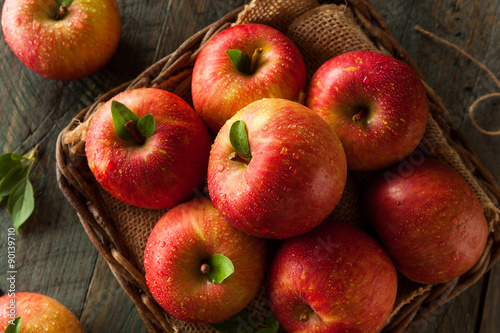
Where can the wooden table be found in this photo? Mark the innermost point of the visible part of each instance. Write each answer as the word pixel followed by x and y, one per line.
pixel 55 256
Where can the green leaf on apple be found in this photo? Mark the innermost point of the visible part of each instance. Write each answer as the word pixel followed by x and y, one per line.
pixel 121 115
pixel 64 3
pixel 146 125
pixel 221 267
pixel 129 126
pixel 240 60
pixel 239 138
pixel 15 327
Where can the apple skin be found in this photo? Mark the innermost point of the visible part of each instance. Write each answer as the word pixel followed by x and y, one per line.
pixel 429 220
pixel 219 90
pixel 338 274
pixel 167 169
pixel 296 175
pixel 183 238
pixel 390 95
pixel 39 313
pixel 77 45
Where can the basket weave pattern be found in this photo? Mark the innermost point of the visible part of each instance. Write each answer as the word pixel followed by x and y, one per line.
pixel 120 231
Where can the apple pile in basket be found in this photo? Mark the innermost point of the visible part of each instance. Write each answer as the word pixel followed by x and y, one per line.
pixel 276 170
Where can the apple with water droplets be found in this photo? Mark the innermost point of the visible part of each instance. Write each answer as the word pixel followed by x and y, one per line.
pixel 376 104
pixel 276 169
pixel 428 218
pixel 242 64
pixel 39 313
pixel 199 268
pixel 148 148
pixel 62 39
pixel 335 278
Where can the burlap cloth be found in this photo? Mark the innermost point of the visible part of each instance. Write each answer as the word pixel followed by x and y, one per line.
pixel 320 32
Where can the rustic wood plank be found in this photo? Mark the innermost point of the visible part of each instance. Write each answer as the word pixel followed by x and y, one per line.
pixel 50 247
pixel 489 320
pixel 104 294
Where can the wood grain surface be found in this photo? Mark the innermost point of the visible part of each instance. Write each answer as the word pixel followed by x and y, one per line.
pixel 54 255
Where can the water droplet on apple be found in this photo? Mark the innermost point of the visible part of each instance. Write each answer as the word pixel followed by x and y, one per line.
pixel 284 151
pixel 78 25
pixel 110 165
pixel 17 22
pixel 366 80
pixel 162 244
pixel 264 128
pixel 223 196
pixel 441 244
pixel 398 203
pixel 220 167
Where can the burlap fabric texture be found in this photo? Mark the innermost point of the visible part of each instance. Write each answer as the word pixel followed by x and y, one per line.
pixel 120 231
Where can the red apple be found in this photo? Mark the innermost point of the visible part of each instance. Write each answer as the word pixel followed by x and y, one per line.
pixel 39 313
pixel 273 68
pixel 292 178
pixel 428 219
pixel 62 42
pixel 163 170
pixel 179 261
pixel 335 278
pixel 376 104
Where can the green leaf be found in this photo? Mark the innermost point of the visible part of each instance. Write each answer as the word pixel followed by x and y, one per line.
pixel 221 267
pixel 64 3
pixel 146 125
pixel 16 328
pixel 239 138
pixel 240 60
pixel 21 203
pixel 236 324
pixel 8 161
pixel 272 323
pixel 121 115
pixel 16 174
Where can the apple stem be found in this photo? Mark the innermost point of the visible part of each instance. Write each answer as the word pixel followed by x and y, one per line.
pixel 358 116
pixel 131 128
pixel 304 316
pixel 205 269
pixel 234 156
pixel 255 58
pixel 61 12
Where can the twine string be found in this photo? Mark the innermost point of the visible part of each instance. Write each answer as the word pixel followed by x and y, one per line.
pixel 473 106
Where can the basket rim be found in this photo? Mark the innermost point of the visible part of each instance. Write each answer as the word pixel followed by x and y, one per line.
pixel 107 241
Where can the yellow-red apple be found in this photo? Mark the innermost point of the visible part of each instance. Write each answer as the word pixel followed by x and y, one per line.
pixel 291 177
pixel 158 171
pixel 183 268
pixel 268 65
pixel 376 104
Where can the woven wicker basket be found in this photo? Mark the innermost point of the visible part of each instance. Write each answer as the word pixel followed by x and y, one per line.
pixel 365 29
